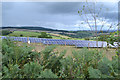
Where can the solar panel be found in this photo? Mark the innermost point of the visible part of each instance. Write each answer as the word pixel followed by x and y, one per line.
pixel 77 43
pixel 92 44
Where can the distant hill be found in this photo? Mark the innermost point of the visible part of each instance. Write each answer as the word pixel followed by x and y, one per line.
pixel 73 34
pixel 49 29
pixel 34 28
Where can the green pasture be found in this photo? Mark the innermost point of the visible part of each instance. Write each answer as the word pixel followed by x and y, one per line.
pixel 36 34
pixel 24 33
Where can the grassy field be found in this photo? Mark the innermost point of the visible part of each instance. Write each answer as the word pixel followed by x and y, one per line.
pixel 24 33
pixel 69 49
pixel 36 34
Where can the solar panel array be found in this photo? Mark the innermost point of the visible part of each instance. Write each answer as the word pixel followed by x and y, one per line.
pixel 77 43
pixel 92 44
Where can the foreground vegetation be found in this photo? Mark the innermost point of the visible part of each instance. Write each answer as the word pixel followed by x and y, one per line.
pixel 20 61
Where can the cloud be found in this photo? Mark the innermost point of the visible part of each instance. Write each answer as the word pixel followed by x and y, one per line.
pixel 99 22
pixel 56 15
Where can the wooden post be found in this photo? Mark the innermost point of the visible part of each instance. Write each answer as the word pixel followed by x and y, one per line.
pixel 56 42
pixel 40 42
pixel 47 43
pixel 88 46
pixel 65 43
pixel 34 42
pixel 102 44
pixel 28 40
pixel 102 41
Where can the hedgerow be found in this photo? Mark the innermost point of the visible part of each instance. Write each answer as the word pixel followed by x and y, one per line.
pixel 22 62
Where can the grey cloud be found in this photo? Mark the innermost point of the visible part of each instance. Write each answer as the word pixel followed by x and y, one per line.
pixel 108 9
pixel 40 13
pixel 57 7
pixel 8 5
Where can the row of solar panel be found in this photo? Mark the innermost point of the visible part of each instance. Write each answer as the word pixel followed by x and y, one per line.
pixel 99 44
pixel 77 43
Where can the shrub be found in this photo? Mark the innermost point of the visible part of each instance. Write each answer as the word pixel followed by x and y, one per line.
pixel 47 73
pixel 44 35
pixel 21 35
pixel 5 32
pixel 22 62
pixel 87 38
pixel 88 64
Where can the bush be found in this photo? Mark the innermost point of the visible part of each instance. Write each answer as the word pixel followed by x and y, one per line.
pixel 109 38
pixel 21 35
pixel 87 38
pixel 44 35
pixel 22 62
pixel 89 64
pixel 5 32
pixel 33 36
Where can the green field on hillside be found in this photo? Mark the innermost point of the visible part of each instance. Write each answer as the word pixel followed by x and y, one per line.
pixel 24 33
pixel 36 34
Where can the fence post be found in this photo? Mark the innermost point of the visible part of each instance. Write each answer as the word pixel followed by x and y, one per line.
pixel 40 42
pixel 28 40
pixel 102 44
pixel 65 43
pixel 88 46
pixel 47 43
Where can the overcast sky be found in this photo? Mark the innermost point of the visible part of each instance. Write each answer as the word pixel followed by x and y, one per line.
pixel 57 15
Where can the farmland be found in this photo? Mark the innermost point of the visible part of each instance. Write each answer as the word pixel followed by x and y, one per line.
pixel 59 34
pixel 36 34
pixel 24 33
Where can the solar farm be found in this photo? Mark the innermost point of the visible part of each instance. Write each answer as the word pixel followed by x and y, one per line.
pixel 76 43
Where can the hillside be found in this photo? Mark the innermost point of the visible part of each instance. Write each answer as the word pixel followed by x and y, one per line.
pixel 34 28
pixel 56 34
pixel 69 34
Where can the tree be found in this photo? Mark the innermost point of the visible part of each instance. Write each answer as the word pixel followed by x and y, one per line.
pixel 44 35
pixel 91 16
